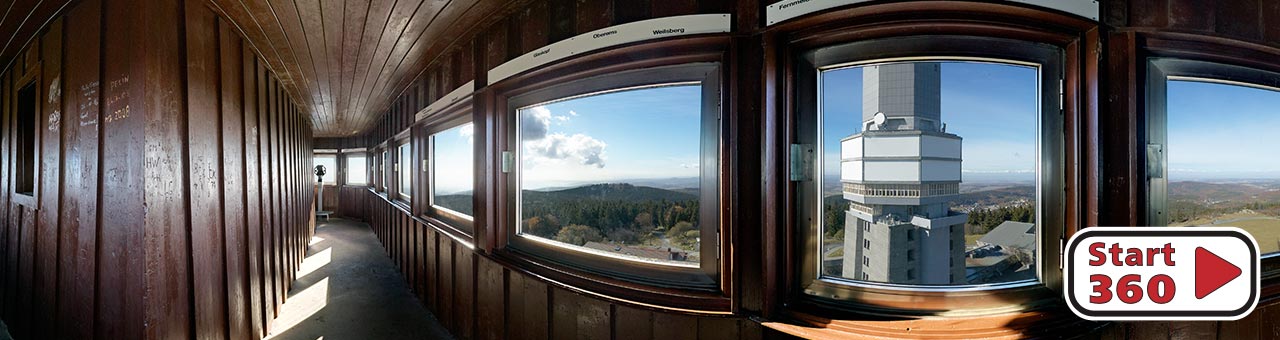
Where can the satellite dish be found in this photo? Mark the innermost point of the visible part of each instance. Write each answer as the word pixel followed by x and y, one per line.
pixel 878 118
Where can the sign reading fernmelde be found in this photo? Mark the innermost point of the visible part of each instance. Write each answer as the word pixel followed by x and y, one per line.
pixel 613 36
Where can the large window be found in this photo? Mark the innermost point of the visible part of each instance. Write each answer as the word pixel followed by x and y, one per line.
pixel 330 164
pixel 618 174
pixel 1210 151
pixel 452 176
pixel 405 168
pixel 357 169
pixel 928 169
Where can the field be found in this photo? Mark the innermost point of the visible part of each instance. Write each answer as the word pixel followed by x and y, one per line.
pixel 1265 229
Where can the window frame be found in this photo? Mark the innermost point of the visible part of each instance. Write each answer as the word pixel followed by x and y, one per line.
pixel 1159 71
pixel 703 277
pixel 702 48
pixel 329 172
pixel 403 148
pixel 462 225
pixel 32 78
pixel 907 299
pixel 346 165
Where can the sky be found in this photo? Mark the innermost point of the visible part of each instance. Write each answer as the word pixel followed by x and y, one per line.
pixel 1219 131
pixel 648 133
pixel 993 107
pixel 453 163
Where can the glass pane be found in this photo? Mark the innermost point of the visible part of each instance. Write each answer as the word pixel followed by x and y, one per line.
pixel 357 169
pixel 330 164
pixel 929 172
pixel 452 169
pixel 406 171
pixel 1223 169
pixel 615 173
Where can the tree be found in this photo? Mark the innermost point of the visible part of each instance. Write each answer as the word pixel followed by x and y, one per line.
pixel 578 234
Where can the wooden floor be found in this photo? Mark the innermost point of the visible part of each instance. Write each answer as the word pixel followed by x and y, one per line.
pixel 348 288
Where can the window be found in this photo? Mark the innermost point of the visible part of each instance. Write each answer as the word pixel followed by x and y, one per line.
pixel 1210 151
pixel 916 152
pixel 357 169
pixel 617 174
pixel 25 137
pixel 330 164
pixel 386 169
pixel 405 168
pixel 452 174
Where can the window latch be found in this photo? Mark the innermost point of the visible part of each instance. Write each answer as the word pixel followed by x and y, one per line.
pixel 508 159
pixel 801 168
pixel 424 165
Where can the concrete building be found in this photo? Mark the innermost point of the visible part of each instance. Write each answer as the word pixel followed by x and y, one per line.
pixel 899 174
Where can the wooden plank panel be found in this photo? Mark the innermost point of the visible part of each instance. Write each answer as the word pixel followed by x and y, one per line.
pixel 625 11
pixel 432 268
pixel 7 105
pixel 632 323
pixel 1245 328
pixel 27 226
pixel 464 292
pixel 258 299
pixel 533 26
pixel 674 326
pixel 203 129
pixel 120 261
pixel 1270 22
pixel 718 328
pixel 80 191
pixel 1191 15
pixel 271 297
pixel 231 59
pixel 593 15
pixel 50 184
pixel 1148 13
pixel 167 275
pixel 563 23
pixel 668 8
pixel 1236 18
pixel 577 317
pixel 1269 325
pixel 491 294
pixel 446 281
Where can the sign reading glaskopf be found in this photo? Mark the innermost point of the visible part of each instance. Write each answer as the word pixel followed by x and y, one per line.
pixel 1162 273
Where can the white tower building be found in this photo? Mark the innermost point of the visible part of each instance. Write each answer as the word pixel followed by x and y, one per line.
pixel 899 174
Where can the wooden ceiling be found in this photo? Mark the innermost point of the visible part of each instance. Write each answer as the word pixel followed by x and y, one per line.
pixel 345 60
pixel 21 20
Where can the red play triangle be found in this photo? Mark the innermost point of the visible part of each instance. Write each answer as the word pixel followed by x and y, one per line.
pixel 1212 272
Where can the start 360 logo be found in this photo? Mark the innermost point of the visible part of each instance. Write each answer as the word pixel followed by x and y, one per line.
pixel 1162 273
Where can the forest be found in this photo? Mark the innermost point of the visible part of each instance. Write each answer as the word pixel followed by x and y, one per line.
pixel 617 213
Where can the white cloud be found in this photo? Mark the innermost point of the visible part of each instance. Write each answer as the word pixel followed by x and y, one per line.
pixel 468 131
pixel 534 123
pixel 558 146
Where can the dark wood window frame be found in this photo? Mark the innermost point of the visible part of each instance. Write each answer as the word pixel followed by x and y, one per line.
pixel 451 222
pixel 344 160
pixel 787 307
pixel 395 193
pixel 22 135
pixel 335 174
pixel 665 293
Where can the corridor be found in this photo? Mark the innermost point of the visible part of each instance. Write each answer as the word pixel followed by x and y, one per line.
pixel 348 288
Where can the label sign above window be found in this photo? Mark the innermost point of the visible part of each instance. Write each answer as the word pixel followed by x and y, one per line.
pixel 787 9
pixel 613 36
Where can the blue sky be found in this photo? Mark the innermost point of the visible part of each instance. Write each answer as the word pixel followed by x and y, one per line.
pixel 453 163
pixel 992 107
pixel 647 133
pixel 1219 131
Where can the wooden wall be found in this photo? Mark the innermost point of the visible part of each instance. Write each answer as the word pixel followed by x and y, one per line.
pixel 172 200
pixel 476 297
pixel 504 301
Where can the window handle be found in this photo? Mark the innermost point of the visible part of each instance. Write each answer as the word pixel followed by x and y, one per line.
pixel 508 159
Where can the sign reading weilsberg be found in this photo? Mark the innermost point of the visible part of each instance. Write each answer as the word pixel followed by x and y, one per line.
pixel 613 36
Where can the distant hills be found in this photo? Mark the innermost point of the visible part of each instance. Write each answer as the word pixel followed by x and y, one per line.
pixel 1220 192
pixel 611 191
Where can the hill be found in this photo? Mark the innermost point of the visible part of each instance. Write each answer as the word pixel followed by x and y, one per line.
pixel 624 192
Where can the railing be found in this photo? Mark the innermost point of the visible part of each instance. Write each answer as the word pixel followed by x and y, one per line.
pixel 902 190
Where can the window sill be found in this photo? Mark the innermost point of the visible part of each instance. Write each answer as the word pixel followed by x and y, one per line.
pixel 1048 323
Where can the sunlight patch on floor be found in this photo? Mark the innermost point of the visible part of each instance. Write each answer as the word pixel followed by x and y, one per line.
pixel 315 262
pixel 301 307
